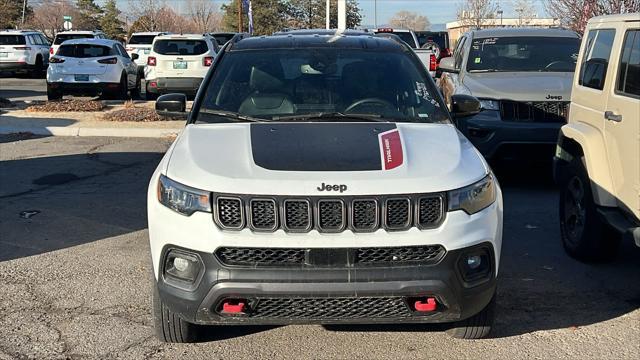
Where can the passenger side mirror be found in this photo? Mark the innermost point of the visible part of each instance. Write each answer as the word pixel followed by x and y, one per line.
pixel 135 56
pixel 172 105
pixel 464 105
pixel 448 64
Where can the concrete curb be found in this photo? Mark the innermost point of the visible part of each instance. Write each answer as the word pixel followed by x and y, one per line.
pixel 79 131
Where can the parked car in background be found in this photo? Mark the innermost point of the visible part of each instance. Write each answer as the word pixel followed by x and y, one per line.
pixel 24 51
pixel 597 160
pixel 428 57
pixel 522 77
pixel 74 34
pixel 319 179
pixel 222 37
pixel 140 43
pixel 92 67
pixel 178 63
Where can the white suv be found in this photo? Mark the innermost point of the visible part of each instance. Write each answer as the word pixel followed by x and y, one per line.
pixel 91 67
pixel 74 34
pixel 24 51
pixel 178 63
pixel 140 43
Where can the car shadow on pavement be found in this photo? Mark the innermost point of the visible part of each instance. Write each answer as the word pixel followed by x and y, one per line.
pixel 540 287
pixel 55 202
pixel 16 94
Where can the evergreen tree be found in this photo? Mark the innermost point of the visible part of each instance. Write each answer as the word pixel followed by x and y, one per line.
pixel 269 16
pixel 110 21
pixel 89 15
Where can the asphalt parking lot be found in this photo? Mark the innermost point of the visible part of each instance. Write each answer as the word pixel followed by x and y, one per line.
pixel 22 88
pixel 75 278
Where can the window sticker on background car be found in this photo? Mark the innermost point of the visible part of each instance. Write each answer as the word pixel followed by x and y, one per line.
pixel 477 60
pixel 421 91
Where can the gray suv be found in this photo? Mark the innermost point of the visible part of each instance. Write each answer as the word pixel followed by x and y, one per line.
pixel 523 80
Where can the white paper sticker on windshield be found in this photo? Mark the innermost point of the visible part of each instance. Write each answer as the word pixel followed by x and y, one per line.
pixel 421 91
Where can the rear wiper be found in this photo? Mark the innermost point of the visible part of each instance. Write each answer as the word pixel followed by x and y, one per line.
pixel 231 115
pixel 331 116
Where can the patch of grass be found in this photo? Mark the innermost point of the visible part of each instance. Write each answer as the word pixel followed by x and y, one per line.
pixel 67 105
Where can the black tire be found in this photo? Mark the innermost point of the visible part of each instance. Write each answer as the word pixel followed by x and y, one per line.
pixel 169 327
pixel 38 68
pixel 583 234
pixel 135 92
pixel 53 94
pixel 476 327
pixel 122 93
pixel 149 95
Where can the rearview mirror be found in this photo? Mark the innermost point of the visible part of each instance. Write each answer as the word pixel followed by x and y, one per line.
pixel 172 105
pixel 135 56
pixel 464 105
pixel 448 64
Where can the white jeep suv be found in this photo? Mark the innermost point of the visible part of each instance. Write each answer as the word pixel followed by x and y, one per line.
pixel 320 179
pixel 178 63
pixel 24 51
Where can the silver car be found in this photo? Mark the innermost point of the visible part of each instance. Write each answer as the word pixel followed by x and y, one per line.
pixel 523 80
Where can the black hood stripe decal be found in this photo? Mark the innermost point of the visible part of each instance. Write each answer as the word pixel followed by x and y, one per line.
pixel 324 146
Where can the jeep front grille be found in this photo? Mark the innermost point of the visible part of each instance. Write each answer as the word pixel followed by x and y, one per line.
pixel 324 214
pixel 545 111
pixel 369 256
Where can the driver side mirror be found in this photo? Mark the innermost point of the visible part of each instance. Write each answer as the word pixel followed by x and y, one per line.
pixel 135 56
pixel 464 105
pixel 448 65
pixel 172 105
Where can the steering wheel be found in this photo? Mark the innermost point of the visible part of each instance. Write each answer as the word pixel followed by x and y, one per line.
pixel 554 63
pixel 373 101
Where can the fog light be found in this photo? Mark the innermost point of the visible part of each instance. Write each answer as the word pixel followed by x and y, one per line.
pixel 474 261
pixel 183 266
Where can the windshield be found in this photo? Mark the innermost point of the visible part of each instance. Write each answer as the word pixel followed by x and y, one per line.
pixel 324 84
pixel 523 54
pixel 180 47
pixel 12 40
pixel 222 39
pixel 60 38
pixel 141 39
pixel 83 51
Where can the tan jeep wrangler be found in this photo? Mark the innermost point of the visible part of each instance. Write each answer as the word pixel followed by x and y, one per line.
pixel 597 160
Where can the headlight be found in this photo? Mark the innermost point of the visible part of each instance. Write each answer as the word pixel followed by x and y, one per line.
pixel 181 198
pixel 475 197
pixel 490 104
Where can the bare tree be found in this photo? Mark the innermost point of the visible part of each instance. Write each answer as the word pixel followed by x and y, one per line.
pixel 48 16
pixel 574 14
pixel 204 16
pixel 146 12
pixel 526 11
pixel 410 20
pixel 472 13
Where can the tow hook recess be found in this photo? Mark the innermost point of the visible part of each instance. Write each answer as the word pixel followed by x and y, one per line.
pixel 425 305
pixel 236 306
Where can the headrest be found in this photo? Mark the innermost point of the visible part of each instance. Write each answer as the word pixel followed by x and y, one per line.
pixel 263 81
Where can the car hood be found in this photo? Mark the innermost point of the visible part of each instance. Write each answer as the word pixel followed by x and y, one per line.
pixel 521 86
pixel 297 158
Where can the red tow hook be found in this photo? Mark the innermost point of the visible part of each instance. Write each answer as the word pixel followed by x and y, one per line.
pixel 233 306
pixel 425 306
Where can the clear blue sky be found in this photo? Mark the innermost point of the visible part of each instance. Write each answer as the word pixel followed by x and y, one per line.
pixel 438 11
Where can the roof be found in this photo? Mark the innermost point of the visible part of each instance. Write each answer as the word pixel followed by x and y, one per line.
pixel 523 31
pixel 304 40
pixel 80 32
pixel 180 36
pixel 321 32
pixel 18 32
pixel 149 33
pixel 89 41
pixel 615 18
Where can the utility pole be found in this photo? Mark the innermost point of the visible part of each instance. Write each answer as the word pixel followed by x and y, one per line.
pixel 375 14
pixel 342 14
pixel 500 13
pixel 24 9
pixel 239 16
pixel 328 15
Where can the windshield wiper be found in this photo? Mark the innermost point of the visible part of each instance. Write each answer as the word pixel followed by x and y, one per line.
pixel 483 70
pixel 332 116
pixel 231 115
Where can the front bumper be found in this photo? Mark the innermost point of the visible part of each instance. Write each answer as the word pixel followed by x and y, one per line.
pixel 497 138
pixel 163 85
pixel 456 298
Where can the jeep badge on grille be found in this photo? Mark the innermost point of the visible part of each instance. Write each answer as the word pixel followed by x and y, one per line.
pixel 328 187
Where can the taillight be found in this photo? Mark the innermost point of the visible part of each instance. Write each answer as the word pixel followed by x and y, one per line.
pixel 51 51
pixel 207 61
pixel 55 60
pixel 112 61
pixel 22 48
pixel 151 61
pixel 433 62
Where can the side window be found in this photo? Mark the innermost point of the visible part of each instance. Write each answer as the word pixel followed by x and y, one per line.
pixel 595 60
pixel 31 40
pixel 629 71
pixel 44 40
pixel 458 53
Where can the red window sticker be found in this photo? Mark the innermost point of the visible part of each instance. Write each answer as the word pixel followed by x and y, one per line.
pixel 391 149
